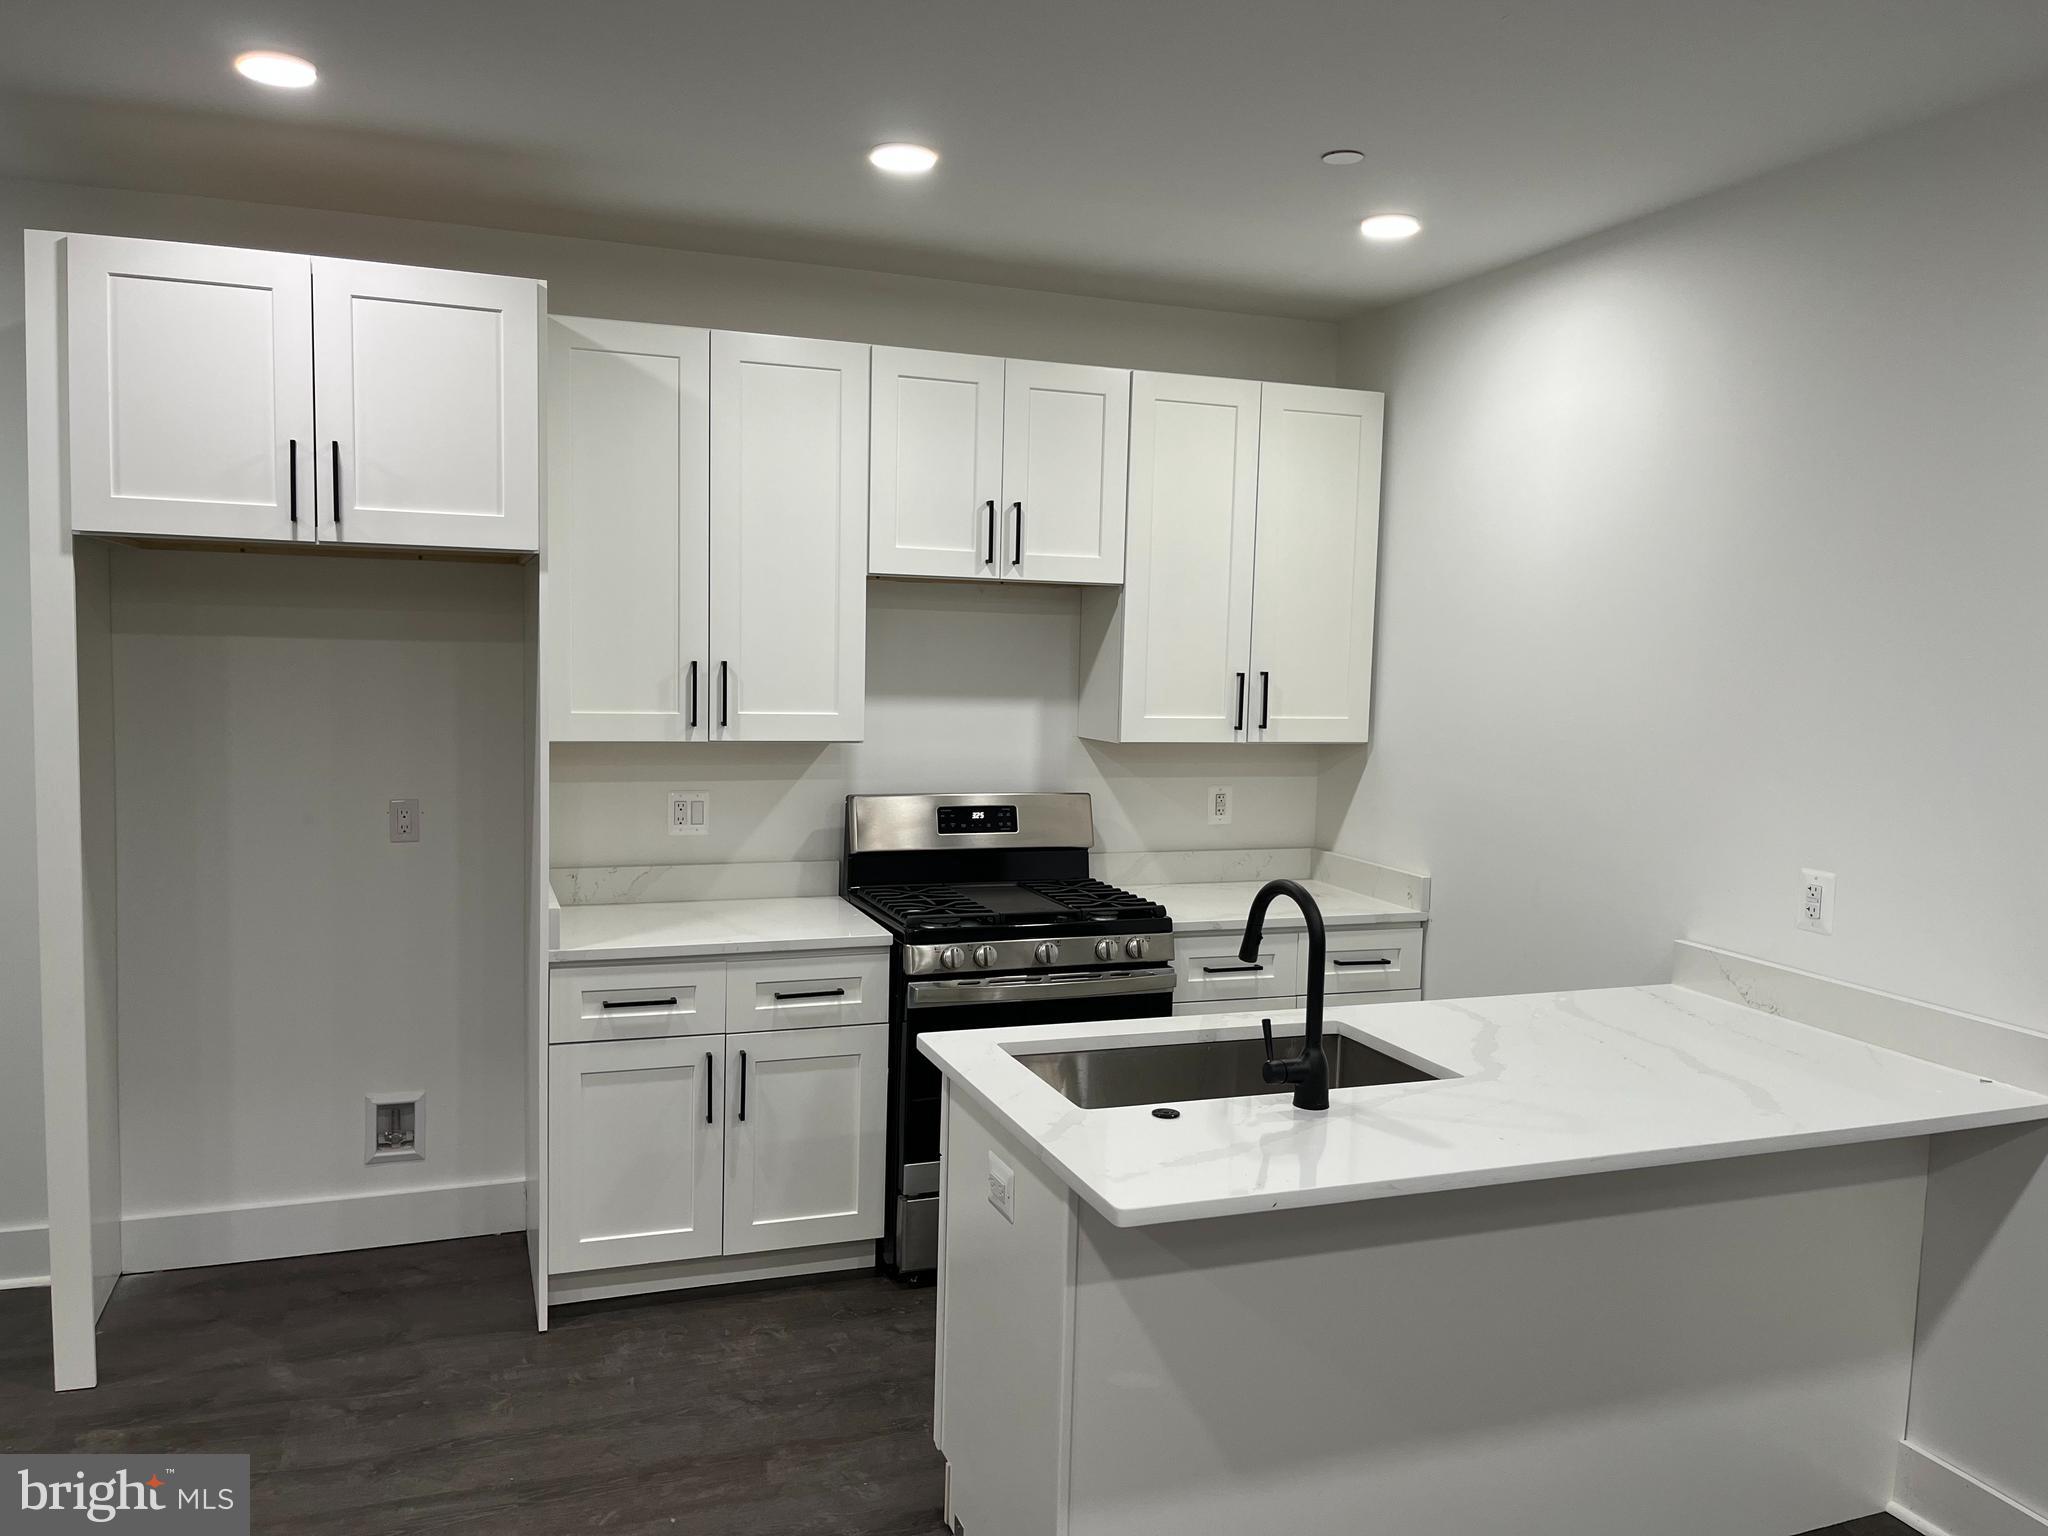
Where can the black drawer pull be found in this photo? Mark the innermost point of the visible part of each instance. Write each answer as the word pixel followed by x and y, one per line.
pixel 693 694
pixel 1363 962
pixel 743 1085
pixel 991 560
pixel 1240 703
pixel 790 997
pixel 1229 970
pixel 641 1002
pixel 337 482
pixel 295 480
pixel 707 1088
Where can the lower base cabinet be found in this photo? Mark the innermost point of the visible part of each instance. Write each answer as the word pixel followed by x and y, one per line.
pixel 694 1146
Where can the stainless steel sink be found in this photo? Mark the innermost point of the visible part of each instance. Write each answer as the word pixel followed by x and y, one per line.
pixel 1111 1077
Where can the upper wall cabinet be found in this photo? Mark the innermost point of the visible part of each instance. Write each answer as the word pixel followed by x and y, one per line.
pixel 789 523
pixel 195 371
pixel 987 469
pixel 1247 607
pixel 628 632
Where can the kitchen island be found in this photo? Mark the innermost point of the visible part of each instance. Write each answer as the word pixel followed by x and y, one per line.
pixel 1586 1264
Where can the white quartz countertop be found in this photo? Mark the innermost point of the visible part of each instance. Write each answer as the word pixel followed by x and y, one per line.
pixel 1219 906
pixel 1539 1086
pixel 671 930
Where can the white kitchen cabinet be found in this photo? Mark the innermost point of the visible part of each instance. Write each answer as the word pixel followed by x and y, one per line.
pixel 1316 563
pixel 935 464
pixel 428 386
pixel 1179 631
pixel 635 1152
pixel 1246 612
pixel 806 1115
pixel 190 390
pixel 217 393
pixel 1066 441
pixel 789 484
pixel 628 632
pixel 1207 970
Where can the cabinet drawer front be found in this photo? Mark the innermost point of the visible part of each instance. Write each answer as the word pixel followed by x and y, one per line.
pixel 636 1002
pixel 1374 960
pixel 1208 970
pixel 805 992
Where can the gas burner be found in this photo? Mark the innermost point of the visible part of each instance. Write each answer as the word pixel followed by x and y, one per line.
pixel 929 906
pixel 1096 901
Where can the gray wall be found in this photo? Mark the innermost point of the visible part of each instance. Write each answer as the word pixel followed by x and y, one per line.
pixel 1717 547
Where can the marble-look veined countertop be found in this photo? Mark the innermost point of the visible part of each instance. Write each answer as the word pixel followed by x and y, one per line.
pixel 1539 1086
pixel 673 930
pixel 1219 906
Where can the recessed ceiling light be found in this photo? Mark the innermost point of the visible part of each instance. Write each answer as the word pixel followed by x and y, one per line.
pixel 1390 226
pixel 282 69
pixel 903 159
pixel 1343 156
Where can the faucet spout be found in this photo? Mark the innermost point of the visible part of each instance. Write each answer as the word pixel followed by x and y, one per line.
pixel 1310 1071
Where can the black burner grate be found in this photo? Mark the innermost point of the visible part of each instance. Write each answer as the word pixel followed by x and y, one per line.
pixel 1096 901
pixel 929 906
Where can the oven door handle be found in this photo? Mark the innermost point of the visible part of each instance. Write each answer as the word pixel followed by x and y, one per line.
pixel 1027 989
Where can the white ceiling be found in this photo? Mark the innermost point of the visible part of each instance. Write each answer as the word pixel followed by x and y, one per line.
pixel 1164 150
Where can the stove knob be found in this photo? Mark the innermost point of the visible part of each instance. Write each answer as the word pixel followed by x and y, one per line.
pixel 950 958
pixel 984 955
pixel 1048 952
pixel 1105 949
pixel 1135 948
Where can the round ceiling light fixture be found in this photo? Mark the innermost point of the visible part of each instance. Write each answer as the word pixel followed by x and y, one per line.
pixel 1343 156
pixel 1386 227
pixel 285 70
pixel 903 159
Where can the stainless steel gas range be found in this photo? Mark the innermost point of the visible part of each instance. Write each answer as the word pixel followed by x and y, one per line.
pixel 996 922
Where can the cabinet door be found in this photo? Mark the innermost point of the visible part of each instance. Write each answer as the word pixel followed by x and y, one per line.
pixel 1066 447
pixel 1187 620
pixel 191 390
pixel 789 538
pixel 935 466
pixel 629 532
pixel 635 1140
pixel 429 391
pixel 1316 563
pixel 803 1149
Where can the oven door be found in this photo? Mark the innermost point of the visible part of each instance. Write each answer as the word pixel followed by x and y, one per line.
pixel 910 1251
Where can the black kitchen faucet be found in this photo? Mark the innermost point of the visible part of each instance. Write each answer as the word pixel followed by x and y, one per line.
pixel 1310 1071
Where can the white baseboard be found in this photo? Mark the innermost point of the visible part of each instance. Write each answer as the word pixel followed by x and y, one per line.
pixel 24 1257
pixel 1940 1499
pixel 236 1234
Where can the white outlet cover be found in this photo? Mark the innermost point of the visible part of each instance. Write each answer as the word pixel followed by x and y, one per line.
pixel 1002 1188
pixel 1816 900
pixel 689 813
pixel 1221 799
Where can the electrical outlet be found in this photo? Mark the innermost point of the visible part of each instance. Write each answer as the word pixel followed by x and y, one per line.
pixel 689 813
pixel 391 1124
pixel 1002 1188
pixel 1220 797
pixel 404 816
pixel 1817 900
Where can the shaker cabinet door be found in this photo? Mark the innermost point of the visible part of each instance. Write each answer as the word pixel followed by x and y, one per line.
pixel 190 396
pixel 1066 446
pixel 935 464
pixel 805 1116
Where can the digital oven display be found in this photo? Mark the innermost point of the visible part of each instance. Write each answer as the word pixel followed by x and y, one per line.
pixel 977 818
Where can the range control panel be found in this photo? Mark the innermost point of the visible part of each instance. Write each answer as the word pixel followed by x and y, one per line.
pixel 977 818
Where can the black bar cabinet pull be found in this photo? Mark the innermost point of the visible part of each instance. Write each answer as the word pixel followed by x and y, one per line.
pixel 1017 507
pixel 693 694
pixel 724 693
pixel 707 1087
pixel 1265 698
pixel 1240 703
pixel 790 997
pixel 337 482
pixel 743 1085
pixel 294 474
pixel 1228 970
pixel 1382 961
pixel 991 560
pixel 641 1002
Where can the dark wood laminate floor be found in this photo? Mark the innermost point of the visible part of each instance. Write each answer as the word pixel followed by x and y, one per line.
pixel 404 1390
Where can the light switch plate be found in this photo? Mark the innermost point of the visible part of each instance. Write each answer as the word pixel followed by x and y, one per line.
pixel 1002 1188
pixel 689 813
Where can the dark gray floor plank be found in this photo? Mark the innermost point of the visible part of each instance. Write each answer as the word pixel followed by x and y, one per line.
pixel 404 1390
